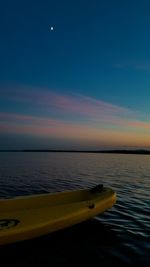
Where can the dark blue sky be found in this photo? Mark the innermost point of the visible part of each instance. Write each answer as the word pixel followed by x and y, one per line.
pixel 98 49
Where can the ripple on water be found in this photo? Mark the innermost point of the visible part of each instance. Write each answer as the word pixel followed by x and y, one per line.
pixel 121 235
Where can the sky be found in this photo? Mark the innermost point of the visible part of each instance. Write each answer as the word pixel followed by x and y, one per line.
pixel 75 74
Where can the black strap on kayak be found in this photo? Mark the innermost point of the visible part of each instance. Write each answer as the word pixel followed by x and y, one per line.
pixel 8 223
pixel 97 189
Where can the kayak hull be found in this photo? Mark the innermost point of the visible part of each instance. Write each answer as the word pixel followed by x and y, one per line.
pixel 27 217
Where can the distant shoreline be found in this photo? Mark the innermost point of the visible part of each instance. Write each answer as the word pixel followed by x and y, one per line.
pixel 113 151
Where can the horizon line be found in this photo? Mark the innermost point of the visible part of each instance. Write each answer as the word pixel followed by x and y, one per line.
pixel 115 151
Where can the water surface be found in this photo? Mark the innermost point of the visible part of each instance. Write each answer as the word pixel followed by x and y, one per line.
pixel 120 236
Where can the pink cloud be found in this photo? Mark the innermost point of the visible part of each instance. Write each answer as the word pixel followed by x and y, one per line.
pixel 81 134
pixel 10 123
pixel 126 134
pixel 44 122
pixel 82 115
pixel 13 118
pixel 86 107
pixel 139 124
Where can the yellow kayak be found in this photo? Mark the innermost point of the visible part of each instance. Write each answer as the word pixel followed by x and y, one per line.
pixel 27 217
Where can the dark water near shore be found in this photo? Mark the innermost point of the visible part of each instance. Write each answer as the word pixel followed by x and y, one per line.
pixel 121 236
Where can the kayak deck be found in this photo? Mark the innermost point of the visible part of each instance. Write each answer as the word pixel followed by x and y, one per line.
pixel 26 217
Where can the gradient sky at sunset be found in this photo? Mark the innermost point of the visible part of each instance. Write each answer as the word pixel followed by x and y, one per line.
pixel 83 85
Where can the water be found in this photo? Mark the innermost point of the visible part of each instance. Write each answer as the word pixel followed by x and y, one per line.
pixel 120 236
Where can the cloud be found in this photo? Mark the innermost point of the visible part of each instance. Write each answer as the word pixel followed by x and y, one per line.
pixel 20 124
pixel 83 134
pixel 70 106
pixel 49 126
pixel 13 118
pixel 139 124
pixel 70 116
pixel 143 67
pixel 132 66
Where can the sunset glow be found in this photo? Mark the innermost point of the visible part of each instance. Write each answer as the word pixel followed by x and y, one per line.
pixel 82 85
pixel 69 117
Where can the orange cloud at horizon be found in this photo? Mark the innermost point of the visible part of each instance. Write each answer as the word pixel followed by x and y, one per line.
pixel 78 118
pixel 49 128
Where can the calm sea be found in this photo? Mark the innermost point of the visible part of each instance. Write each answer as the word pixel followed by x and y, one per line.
pixel 120 236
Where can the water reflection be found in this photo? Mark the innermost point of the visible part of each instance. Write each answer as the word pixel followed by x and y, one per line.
pixel 121 236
